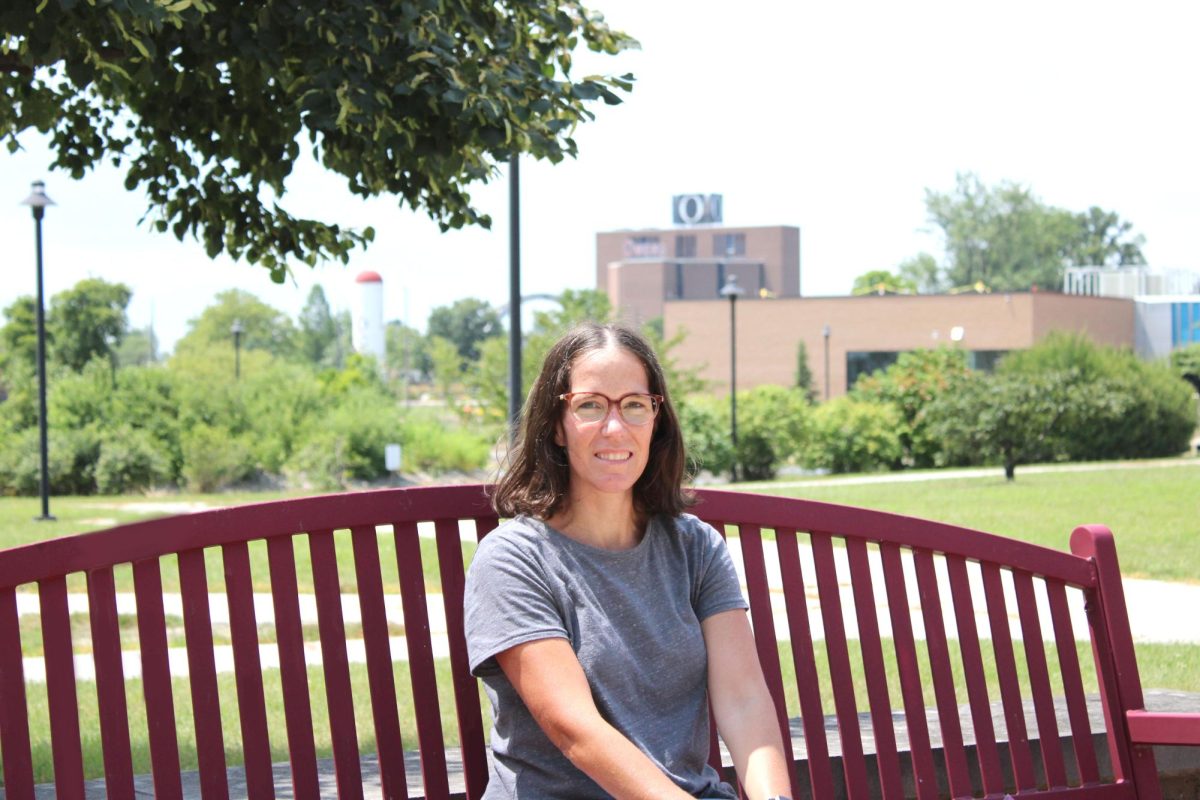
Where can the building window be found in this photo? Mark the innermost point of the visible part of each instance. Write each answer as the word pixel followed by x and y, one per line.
pixel 729 244
pixel 685 246
pixel 859 364
pixel 985 360
pixel 1185 324
pixel 643 247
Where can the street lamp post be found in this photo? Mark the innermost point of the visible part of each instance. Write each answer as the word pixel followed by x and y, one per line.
pixel 733 292
pixel 825 332
pixel 236 329
pixel 38 201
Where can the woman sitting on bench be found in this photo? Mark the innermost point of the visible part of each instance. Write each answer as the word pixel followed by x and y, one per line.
pixel 602 620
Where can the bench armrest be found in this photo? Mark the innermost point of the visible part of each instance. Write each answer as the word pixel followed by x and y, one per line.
pixel 1161 727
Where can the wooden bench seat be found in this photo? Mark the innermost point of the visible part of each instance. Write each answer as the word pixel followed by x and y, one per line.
pixel 878 715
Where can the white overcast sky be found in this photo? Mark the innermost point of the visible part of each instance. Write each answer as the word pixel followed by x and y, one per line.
pixel 834 117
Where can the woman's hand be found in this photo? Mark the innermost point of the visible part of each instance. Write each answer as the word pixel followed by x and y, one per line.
pixel 550 680
pixel 743 707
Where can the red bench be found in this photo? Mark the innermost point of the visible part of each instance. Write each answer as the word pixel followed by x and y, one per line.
pixel 893 603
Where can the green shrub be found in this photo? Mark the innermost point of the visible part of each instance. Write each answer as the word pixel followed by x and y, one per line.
pixel 1123 407
pixel 432 447
pixel 129 460
pixel 705 425
pixel 214 458
pixel 772 430
pixel 851 435
pixel 916 379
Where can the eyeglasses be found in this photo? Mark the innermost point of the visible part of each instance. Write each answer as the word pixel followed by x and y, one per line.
pixel 635 408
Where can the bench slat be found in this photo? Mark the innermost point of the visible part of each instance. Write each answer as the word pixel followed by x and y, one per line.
pixel 714 743
pixel 60 689
pixel 763 616
pixel 340 700
pixel 986 751
pixel 293 671
pixel 420 662
pixel 466 688
pixel 156 680
pixel 812 715
pixel 376 641
pixel 14 709
pixel 886 756
pixel 1006 674
pixel 911 687
pixel 1039 681
pixel 202 672
pixel 110 684
pixel 942 676
pixel 247 664
pixel 854 765
pixel 1068 661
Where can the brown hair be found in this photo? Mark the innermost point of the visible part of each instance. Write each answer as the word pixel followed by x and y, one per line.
pixel 538 473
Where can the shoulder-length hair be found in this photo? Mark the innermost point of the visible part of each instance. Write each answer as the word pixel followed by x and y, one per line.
pixel 538 474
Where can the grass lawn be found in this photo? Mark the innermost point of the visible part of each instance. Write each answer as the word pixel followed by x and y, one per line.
pixel 1154 512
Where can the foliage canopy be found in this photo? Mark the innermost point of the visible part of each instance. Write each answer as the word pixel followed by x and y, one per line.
pixel 205 103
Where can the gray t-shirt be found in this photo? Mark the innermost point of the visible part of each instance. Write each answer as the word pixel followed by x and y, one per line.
pixel 633 619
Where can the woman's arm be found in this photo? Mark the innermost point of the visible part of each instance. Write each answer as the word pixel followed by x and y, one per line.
pixel 742 705
pixel 548 677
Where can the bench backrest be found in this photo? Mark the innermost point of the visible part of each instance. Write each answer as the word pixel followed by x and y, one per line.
pixel 839 597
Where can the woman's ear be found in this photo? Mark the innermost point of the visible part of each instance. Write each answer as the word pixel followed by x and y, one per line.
pixel 560 438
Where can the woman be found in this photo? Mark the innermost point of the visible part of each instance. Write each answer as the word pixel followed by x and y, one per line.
pixel 601 619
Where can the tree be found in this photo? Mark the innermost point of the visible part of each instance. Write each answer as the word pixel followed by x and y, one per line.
pixel 263 327
pixel 88 321
pixel 1102 239
pixel 407 351
pixel 19 334
pixel 923 272
pixel 466 323
pixel 1003 237
pixel 204 104
pixel 318 330
pixel 1186 362
pixel 1010 418
pixel 137 348
pixel 880 281
pixel 804 375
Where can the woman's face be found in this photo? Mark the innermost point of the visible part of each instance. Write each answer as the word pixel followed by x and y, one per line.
pixel 609 455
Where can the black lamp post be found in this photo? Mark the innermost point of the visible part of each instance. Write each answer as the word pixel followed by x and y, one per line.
pixel 38 201
pixel 825 332
pixel 733 292
pixel 515 393
pixel 236 330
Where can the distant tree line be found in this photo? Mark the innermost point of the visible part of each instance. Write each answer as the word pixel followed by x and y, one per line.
pixel 1004 238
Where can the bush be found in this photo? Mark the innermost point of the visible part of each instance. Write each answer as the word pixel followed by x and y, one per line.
pixel 214 458
pixel 1124 407
pixel 130 460
pixel 851 435
pixel 706 434
pixel 432 447
pixel 772 430
pixel 910 385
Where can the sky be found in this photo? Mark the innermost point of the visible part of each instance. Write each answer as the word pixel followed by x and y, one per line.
pixel 832 117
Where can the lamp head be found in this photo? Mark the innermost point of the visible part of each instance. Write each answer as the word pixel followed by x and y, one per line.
pixel 731 288
pixel 236 328
pixel 38 200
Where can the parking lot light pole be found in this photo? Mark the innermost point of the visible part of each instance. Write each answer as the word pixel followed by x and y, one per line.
pixel 38 201
pixel 733 292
